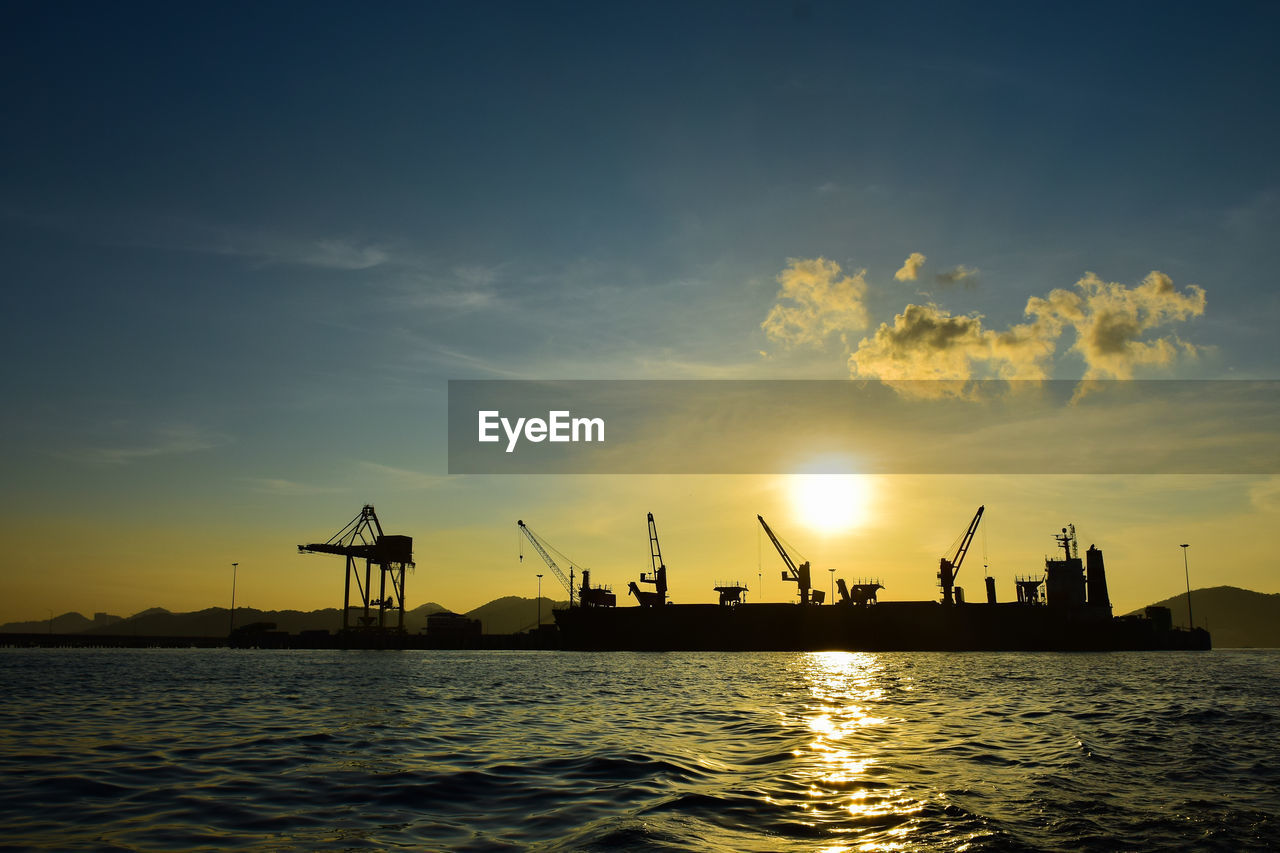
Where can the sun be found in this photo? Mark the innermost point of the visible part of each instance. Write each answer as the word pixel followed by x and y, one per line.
pixel 831 503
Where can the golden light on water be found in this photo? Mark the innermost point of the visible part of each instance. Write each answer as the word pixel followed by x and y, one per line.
pixel 846 689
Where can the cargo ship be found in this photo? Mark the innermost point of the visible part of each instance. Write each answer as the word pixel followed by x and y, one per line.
pixel 1065 608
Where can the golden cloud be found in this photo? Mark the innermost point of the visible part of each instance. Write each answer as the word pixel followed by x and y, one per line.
pixel 1112 322
pixel 910 267
pixel 815 301
pixel 927 342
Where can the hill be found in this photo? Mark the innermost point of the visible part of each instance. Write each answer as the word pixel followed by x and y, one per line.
pixel 67 623
pixel 1237 618
pixel 513 614
pixel 211 622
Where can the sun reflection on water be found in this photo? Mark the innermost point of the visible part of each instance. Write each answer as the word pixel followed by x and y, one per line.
pixel 846 786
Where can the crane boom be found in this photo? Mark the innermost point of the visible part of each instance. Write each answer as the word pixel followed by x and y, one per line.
pixel 786 558
pixel 949 568
pixel 568 584
pixel 799 575
pixel 968 539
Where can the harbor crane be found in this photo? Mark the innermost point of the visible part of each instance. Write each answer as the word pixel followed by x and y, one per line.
pixel 362 539
pixel 658 577
pixel 948 568
pixel 587 595
pixel 799 575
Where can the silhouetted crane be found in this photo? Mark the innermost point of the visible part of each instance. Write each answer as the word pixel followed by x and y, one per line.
pixel 362 539
pixel 566 582
pixel 658 577
pixel 799 575
pixel 586 595
pixel 949 568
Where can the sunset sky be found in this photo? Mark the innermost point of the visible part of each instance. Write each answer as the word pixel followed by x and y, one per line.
pixel 247 245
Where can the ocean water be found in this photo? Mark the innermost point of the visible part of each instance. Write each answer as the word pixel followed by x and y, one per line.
pixel 219 749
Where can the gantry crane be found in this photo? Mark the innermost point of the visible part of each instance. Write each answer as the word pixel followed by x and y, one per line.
pixel 658 577
pixel 362 539
pixel 797 574
pixel 949 568
pixel 586 595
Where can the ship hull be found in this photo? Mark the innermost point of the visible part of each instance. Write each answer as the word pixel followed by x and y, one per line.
pixel 887 626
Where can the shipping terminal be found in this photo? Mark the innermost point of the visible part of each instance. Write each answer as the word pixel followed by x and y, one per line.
pixel 1065 608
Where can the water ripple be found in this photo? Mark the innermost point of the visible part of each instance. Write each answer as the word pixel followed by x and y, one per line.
pixel 221 749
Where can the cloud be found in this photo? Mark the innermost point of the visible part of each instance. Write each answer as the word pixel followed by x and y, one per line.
pixel 1265 495
pixel 336 254
pixel 265 247
pixel 959 274
pixel 402 478
pixel 815 301
pixel 286 488
pixel 1112 322
pixel 169 441
pixel 1112 325
pixel 331 254
pixel 910 267
pixel 461 289
pixel 927 342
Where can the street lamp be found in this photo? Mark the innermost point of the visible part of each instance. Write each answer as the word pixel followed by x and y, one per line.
pixel 539 625
pixel 833 585
pixel 1187 574
pixel 50 621
pixel 231 624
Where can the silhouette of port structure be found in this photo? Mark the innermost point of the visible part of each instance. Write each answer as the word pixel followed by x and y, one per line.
pixel 363 541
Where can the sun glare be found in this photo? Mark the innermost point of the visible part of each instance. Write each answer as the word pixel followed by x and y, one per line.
pixel 830 503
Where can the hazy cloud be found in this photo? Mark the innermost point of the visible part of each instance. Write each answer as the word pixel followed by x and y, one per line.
pixel 815 301
pixel 959 274
pixel 338 254
pixel 256 246
pixel 402 478
pixel 1265 495
pixel 910 267
pixel 333 254
pixel 168 441
pixel 286 488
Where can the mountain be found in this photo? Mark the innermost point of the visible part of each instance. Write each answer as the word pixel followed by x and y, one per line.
pixel 214 622
pixel 67 623
pixel 1237 618
pixel 513 614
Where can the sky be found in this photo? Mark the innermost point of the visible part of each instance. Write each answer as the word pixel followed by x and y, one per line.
pixel 246 246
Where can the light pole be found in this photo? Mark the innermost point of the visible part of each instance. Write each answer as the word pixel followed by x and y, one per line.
pixel 50 621
pixel 231 624
pixel 1187 574
pixel 833 585
pixel 538 627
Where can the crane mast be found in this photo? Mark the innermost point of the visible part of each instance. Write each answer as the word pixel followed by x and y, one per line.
pixel 799 575
pixel 658 577
pixel 546 558
pixel 949 568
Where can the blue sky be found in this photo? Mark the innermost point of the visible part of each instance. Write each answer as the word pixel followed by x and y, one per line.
pixel 247 244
